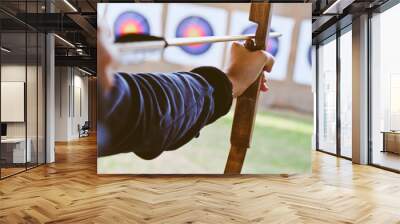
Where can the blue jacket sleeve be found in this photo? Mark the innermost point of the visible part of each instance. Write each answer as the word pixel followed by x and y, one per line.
pixel 149 113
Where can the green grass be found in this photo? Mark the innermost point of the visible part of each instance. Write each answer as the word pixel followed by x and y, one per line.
pixel 281 144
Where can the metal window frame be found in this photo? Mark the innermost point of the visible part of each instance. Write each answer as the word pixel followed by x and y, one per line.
pixel 334 37
pixel 386 6
pixel 381 9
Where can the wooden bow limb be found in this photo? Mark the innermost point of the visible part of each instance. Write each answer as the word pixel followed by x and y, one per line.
pixel 246 104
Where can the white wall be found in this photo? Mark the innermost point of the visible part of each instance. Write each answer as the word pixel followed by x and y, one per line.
pixel 79 111
pixel 12 73
pixel 61 103
pixel 71 94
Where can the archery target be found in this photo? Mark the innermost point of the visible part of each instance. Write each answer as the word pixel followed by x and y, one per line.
pixel 278 47
pixel 189 20
pixel 125 18
pixel 309 56
pixel 131 22
pixel 303 65
pixel 194 26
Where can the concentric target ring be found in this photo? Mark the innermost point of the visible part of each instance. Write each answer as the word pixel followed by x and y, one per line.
pixel 131 22
pixel 194 26
pixel 273 43
pixel 309 59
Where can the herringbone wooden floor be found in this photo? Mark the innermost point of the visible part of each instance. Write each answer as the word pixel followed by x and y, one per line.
pixel 69 191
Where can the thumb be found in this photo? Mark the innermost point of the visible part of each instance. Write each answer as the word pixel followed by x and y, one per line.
pixel 269 61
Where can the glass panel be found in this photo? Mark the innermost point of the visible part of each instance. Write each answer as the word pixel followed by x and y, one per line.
pixel 314 90
pixel 385 86
pixel 327 97
pixel 13 86
pixel 23 90
pixel 41 99
pixel 346 94
pixel 32 88
pixel 31 100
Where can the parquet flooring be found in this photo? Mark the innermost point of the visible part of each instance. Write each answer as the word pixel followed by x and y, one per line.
pixel 70 191
pixel 10 171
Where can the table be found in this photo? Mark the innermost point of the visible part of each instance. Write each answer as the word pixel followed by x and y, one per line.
pixel 13 150
pixel 391 141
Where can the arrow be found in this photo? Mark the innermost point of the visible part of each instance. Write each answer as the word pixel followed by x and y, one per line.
pixel 212 39
pixel 138 42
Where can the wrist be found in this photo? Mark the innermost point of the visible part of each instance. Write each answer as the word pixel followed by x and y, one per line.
pixel 236 87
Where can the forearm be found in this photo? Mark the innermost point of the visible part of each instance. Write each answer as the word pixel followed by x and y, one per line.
pixel 151 113
pixel 222 89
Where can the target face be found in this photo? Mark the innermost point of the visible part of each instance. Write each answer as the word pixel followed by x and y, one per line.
pixel 273 43
pixel 131 22
pixel 194 26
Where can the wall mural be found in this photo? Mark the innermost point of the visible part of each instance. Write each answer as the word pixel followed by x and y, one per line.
pixel 208 153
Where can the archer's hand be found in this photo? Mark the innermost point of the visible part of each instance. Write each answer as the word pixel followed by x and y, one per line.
pixel 245 66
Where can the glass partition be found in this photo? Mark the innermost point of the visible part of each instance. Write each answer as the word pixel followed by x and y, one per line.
pixel 13 105
pixel 385 89
pixel 327 97
pixel 22 90
pixel 31 100
pixel 41 96
pixel 346 94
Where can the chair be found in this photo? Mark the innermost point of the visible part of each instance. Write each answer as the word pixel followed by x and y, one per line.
pixel 84 130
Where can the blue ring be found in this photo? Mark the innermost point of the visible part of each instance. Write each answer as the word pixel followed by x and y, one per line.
pixel 131 15
pixel 274 41
pixel 187 23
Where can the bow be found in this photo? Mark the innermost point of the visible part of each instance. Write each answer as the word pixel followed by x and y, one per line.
pixel 246 104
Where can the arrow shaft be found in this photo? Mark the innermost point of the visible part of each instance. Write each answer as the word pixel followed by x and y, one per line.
pixel 183 41
pixel 126 47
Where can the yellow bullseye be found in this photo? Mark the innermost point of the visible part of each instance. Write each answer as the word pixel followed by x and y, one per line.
pixel 130 28
pixel 192 32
